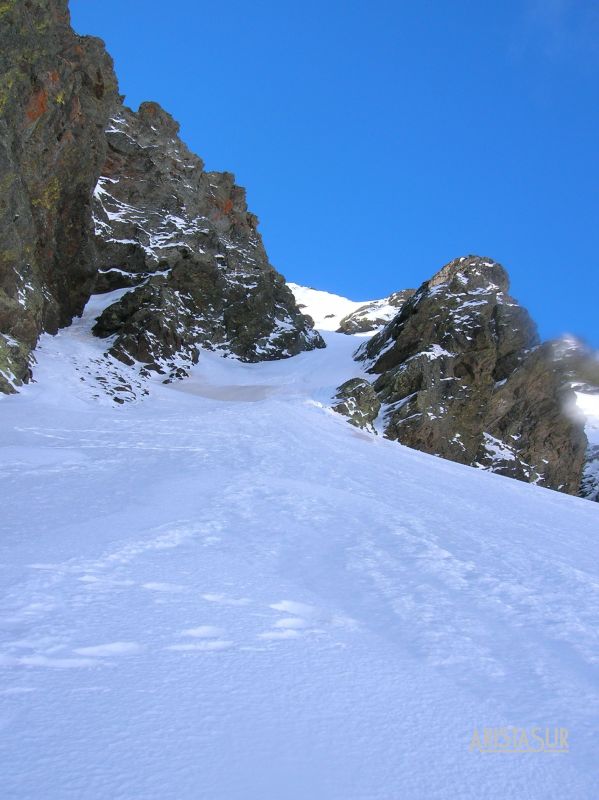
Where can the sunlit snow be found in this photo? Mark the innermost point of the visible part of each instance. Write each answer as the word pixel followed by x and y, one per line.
pixel 223 591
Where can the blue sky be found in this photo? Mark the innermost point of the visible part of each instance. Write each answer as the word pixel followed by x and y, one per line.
pixel 379 140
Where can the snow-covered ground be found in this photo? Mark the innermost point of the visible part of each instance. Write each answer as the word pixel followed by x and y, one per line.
pixel 225 592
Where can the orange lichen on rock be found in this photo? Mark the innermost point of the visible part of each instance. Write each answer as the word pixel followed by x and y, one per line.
pixel 38 105
pixel 75 114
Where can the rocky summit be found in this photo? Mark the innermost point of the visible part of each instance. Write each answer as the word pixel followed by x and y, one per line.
pixel 460 373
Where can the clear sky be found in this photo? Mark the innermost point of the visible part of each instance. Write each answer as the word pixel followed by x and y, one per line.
pixel 378 140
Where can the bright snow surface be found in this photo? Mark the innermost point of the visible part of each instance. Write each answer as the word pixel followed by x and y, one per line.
pixel 326 309
pixel 225 592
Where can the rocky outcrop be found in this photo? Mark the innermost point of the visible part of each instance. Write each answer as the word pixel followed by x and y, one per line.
pixel 358 401
pixel 372 316
pixel 57 91
pixel 461 374
pixel 186 241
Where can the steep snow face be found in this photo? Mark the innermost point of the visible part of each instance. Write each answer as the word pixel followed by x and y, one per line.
pixel 227 592
pixel 588 404
pixel 332 312
pixel 326 309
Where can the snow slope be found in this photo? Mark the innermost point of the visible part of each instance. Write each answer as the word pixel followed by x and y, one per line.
pixel 225 592
pixel 326 309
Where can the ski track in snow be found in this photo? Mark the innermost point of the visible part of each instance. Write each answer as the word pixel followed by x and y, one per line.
pixel 226 592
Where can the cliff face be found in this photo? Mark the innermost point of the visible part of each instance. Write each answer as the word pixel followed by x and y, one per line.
pixel 186 240
pixel 461 374
pixel 56 93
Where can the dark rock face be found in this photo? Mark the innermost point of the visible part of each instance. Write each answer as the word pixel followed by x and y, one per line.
pixel 372 316
pixel 56 93
pixel 535 412
pixel 461 374
pixel 185 239
pixel 358 402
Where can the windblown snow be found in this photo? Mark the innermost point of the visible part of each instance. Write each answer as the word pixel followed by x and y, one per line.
pixel 223 591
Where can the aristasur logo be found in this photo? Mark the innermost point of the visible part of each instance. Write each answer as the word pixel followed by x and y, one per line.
pixel 536 739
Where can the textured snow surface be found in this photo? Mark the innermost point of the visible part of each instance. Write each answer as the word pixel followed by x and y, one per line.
pixel 225 592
